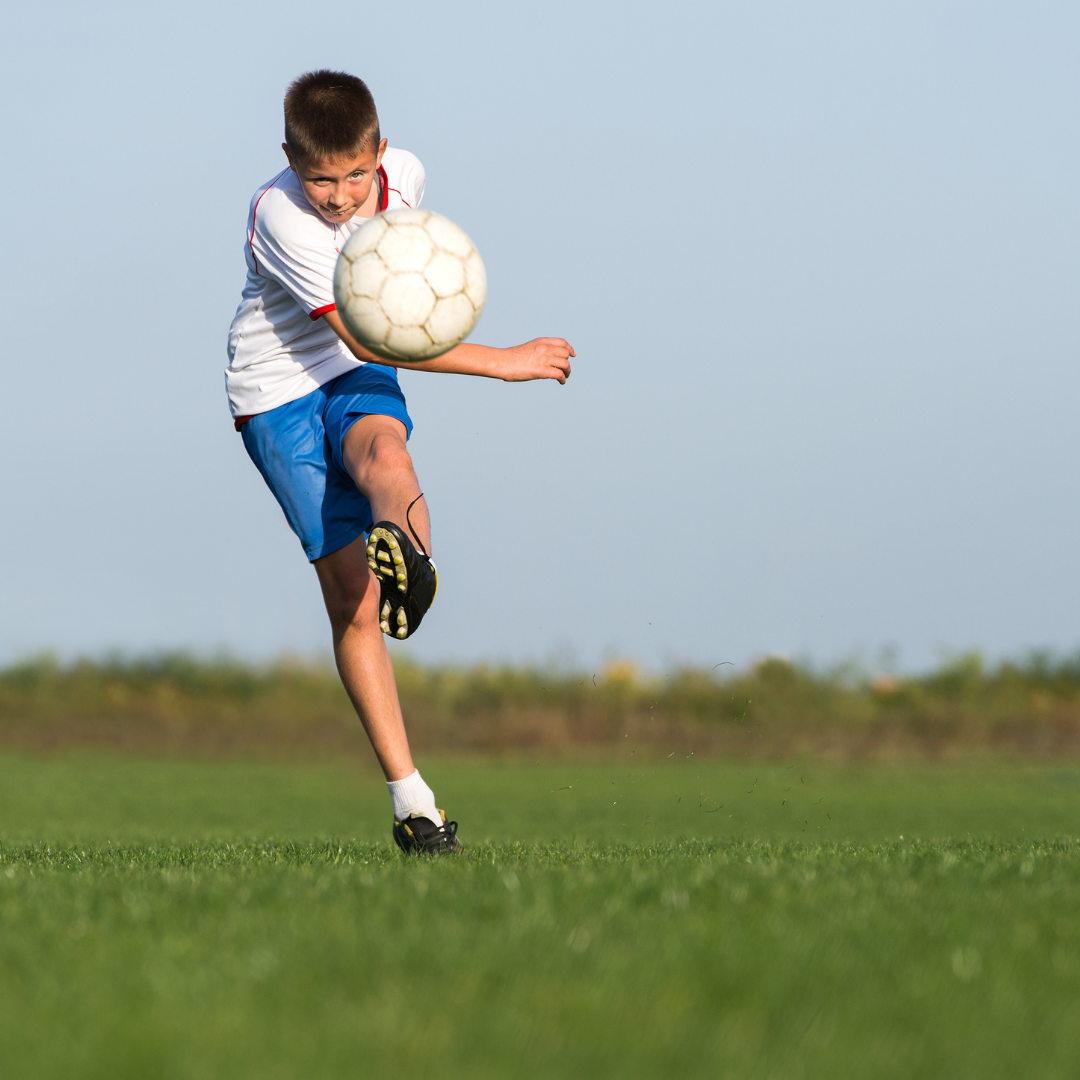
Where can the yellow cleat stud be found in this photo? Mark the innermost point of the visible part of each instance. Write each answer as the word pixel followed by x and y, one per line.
pixel 371 549
pixel 383 557
pixel 385 613
pixel 402 632
pixel 403 587
pixel 384 626
pixel 393 543
pixel 373 564
pixel 402 619
pixel 398 560
pixel 401 576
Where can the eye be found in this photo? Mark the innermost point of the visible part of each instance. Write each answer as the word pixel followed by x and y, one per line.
pixel 356 175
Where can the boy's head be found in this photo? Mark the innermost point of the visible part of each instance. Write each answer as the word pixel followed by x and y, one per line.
pixel 332 140
pixel 329 115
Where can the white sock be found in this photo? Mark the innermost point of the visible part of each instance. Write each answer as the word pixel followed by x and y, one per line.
pixel 412 796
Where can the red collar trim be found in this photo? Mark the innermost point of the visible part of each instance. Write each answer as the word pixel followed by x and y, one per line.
pixel 384 187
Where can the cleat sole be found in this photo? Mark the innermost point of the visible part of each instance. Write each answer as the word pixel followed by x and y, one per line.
pixel 400 611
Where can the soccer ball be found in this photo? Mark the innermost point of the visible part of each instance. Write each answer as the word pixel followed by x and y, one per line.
pixel 409 285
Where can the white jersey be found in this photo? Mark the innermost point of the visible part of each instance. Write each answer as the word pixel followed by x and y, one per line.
pixel 279 346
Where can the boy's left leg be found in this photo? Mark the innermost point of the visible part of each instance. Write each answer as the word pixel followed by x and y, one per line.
pixel 352 597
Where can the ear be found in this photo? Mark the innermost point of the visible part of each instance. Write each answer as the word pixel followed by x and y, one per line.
pixel 378 156
pixel 292 164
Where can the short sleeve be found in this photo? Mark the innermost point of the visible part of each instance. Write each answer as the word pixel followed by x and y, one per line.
pixel 414 182
pixel 405 174
pixel 298 250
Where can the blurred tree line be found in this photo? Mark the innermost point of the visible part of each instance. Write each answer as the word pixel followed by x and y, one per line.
pixel 179 705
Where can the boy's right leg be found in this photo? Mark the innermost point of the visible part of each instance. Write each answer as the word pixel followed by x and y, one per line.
pixel 374 454
pixel 376 457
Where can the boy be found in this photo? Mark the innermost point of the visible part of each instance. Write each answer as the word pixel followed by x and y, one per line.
pixel 325 421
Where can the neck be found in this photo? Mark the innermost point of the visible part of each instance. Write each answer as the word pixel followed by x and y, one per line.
pixel 373 202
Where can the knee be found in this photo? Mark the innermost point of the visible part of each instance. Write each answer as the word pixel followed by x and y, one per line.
pixel 387 455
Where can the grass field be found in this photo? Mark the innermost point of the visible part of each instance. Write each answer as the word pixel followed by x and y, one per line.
pixel 673 918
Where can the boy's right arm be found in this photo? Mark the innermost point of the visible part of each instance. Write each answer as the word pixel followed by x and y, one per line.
pixel 541 358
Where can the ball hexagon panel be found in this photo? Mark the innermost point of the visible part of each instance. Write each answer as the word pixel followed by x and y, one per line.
pixel 447 236
pixel 367 322
pixel 407 299
pixel 409 341
pixel 369 274
pixel 445 274
pixel 367 239
pixel 447 318
pixel 405 249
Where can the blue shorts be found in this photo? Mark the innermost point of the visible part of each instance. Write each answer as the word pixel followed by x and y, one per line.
pixel 297 448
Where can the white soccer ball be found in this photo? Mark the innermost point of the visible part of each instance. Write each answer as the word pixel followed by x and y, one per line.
pixel 409 285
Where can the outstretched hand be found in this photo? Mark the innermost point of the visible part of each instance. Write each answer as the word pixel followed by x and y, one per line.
pixel 541 358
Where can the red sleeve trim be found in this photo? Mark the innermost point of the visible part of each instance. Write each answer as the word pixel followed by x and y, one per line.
pixel 320 311
pixel 402 197
pixel 384 187
pixel 240 421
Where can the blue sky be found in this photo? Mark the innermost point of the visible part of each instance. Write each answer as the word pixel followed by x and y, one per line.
pixel 819 261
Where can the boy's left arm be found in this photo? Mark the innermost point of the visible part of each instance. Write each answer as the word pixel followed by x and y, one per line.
pixel 541 358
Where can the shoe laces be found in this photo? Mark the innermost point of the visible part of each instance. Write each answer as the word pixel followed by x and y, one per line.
pixel 447 834
pixel 412 530
pixel 420 542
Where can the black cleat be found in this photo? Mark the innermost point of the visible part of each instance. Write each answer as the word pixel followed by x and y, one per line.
pixel 421 836
pixel 407 579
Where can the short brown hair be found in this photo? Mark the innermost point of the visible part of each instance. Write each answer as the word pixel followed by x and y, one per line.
pixel 328 115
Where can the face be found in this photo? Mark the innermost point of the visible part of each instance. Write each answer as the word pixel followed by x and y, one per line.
pixel 340 187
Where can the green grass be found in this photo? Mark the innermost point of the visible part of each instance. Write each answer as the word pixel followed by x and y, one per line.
pixel 679 918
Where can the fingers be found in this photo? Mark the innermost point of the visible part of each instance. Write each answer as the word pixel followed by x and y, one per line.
pixel 558 343
pixel 560 352
pixel 558 349
pixel 542 358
